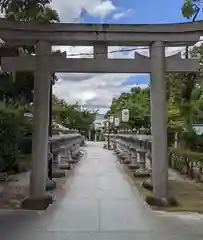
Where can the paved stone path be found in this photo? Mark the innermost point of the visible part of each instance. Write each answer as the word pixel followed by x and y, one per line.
pixel 99 202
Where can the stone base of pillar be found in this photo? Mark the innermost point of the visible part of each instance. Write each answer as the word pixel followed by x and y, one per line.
pixel 142 173
pixel 50 185
pixel 148 184
pixel 134 166
pixel 127 161
pixel 117 151
pixel 64 166
pixel 76 157
pixel 37 203
pixel 161 202
pixel 122 155
pixel 58 174
pixel 71 161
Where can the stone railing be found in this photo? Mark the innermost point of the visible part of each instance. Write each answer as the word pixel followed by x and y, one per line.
pixel 65 150
pixel 58 131
pixel 134 151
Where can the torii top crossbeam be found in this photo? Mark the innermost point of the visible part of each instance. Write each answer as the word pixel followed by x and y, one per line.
pixel 179 34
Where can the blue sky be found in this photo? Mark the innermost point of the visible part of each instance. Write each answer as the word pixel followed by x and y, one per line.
pixel 143 12
pixel 146 11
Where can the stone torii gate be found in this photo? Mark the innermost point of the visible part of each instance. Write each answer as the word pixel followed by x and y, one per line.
pixel 100 36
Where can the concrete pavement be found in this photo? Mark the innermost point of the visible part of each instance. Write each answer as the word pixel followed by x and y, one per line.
pixel 99 202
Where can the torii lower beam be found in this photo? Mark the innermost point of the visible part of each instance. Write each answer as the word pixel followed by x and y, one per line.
pixel 59 64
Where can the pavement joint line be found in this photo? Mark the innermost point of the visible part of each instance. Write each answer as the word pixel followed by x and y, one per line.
pixel 100 231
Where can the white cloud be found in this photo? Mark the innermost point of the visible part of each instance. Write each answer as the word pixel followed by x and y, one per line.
pixel 97 90
pixel 101 10
pixel 125 13
pixel 71 10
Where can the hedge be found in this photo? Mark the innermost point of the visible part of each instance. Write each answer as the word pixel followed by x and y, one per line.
pixel 13 130
pixel 187 162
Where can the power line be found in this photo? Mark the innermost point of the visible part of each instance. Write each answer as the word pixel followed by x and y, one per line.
pixel 113 51
pixel 119 50
pixel 109 52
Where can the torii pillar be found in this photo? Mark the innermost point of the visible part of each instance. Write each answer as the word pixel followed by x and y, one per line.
pixel 42 81
pixel 159 112
pixel 39 164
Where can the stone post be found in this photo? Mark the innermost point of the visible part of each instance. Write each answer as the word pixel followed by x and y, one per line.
pixel 56 173
pixel 127 152
pixel 40 124
pixel 117 150
pixel 89 135
pixel 142 171
pixel 159 110
pixel 142 154
pixel 56 159
pixel 114 142
pixel 134 164
pixel 176 140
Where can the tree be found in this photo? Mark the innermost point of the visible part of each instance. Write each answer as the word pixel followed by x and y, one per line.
pixel 72 116
pixel 138 103
pixel 29 10
pixel 20 87
pixel 16 90
pixel 191 8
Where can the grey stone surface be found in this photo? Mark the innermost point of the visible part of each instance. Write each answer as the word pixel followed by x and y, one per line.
pixel 50 185
pixel 37 203
pixel 64 166
pixel 1 188
pixel 58 173
pixel 99 202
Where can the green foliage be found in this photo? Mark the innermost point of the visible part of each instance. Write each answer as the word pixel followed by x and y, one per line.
pixel 29 10
pixel 20 87
pixel 184 161
pixel 46 15
pixel 184 92
pixel 190 8
pixel 9 137
pixel 15 136
pixel 72 116
pixel 16 90
pixel 11 5
pixel 190 140
pixel 188 154
pixel 137 101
